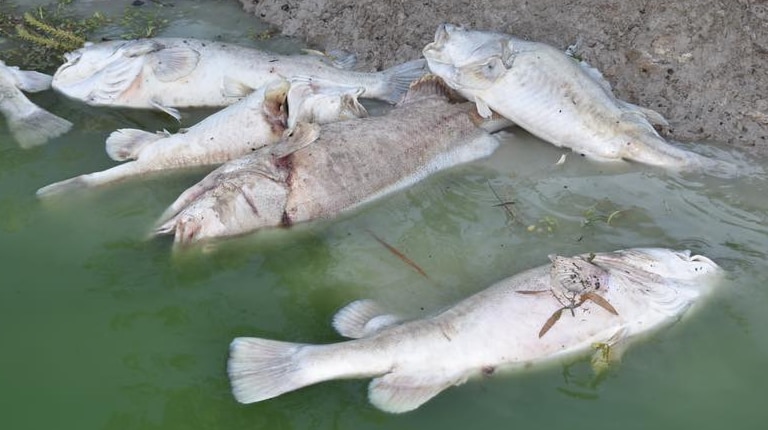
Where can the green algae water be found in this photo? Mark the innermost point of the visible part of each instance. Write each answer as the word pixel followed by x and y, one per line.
pixel 101 328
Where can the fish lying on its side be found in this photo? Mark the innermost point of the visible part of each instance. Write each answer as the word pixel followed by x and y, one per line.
pixel 620 295
pixel 169 73
pixel 552 96
pixel 306 177
pixel 254 122
pixel 29 124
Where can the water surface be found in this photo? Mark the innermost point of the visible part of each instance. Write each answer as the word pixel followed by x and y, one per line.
pixel 102 329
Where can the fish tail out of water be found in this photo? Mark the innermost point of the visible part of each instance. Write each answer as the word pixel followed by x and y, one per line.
pixel 37 127
pixel 260 369
pixel 397 79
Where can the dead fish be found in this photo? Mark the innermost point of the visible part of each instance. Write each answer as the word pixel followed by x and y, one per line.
pixel 256 121
pixel 170 73
pixel 494 330
pixel 29 124
pixel 553 96
pixel 307 177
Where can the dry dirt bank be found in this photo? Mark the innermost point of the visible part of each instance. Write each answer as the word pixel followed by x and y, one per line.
pixel 701 63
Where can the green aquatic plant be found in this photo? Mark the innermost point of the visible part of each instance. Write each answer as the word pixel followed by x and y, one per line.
pixel 141 23
pixel 41 35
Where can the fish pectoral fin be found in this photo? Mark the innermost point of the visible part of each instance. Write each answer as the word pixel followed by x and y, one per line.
pixel 127 143
pixel 171 64
pixel 303 134
pixel 402 392
pixel 363 318
pixel 482 108
pixel 231 87
pixel 608 353
pixel 30 81
pixel 169 110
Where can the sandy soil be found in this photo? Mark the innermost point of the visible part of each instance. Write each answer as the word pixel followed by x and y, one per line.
pixel 700 63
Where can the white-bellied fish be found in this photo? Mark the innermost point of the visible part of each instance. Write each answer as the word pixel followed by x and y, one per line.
pixel 29 124
pixel 254 122
pixel 170 73
pixel 554 97
pixel 307 177
pixel 620 296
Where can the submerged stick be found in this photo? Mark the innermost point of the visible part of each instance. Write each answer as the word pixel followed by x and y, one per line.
pixel 399 254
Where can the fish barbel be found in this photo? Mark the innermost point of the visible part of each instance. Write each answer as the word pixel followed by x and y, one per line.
pixel 554 97
pixel 29 124
pixel 496 329
pixel 320 173
pixel 170 73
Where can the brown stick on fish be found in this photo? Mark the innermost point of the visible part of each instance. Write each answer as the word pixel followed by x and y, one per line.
pixel 404 258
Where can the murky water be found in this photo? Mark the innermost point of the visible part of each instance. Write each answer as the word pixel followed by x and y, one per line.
pixel 101 329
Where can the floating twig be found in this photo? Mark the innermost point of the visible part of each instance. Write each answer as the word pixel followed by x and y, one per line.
pixel 399 254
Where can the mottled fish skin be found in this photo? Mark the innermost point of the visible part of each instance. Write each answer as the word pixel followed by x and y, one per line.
pixel 168 73
pixel 496 329
pixel 351 162
pixel 257 121
pixel 553 96
pixel 29 124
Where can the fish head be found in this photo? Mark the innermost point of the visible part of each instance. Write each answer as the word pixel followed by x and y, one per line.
pixel 236 202
pixel 98 70
pixel 468 59
pixel 670 280
pixel 311 100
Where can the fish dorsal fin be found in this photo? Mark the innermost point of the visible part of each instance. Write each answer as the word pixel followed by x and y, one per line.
pixel 338 58
pixel 363 318
pixel 399 392
pixel 127 143
pixel 171 64
pixel 30 81
pixel 649 114
pixel 303 134
pixel 231 87
pixel 429 86
pixel 596 75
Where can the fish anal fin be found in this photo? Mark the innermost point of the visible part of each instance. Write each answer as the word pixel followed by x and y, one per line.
pixel 363 318
pixel 303 134
pixel 398 392
pixel 171 64
pixel 169 110
pixel 127 143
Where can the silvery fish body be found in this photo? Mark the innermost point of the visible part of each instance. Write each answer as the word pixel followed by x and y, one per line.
pixel 254 122
pixel 29 124
pixel 169 73
pixel 499 328
pixel 306 177
pixel 553 96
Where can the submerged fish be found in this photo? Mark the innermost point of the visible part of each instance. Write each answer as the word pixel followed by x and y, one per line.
pixel 256 121
pixel 307 177
pixel 553 96
pixel 496 329
pixel 169 73
pixel 29 124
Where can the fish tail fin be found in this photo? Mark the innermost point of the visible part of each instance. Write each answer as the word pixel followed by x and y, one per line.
pixel 398 79
pixel 38 128
pixel 126 143
pixel 89 180
pixel 31 81
pixel 261 369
